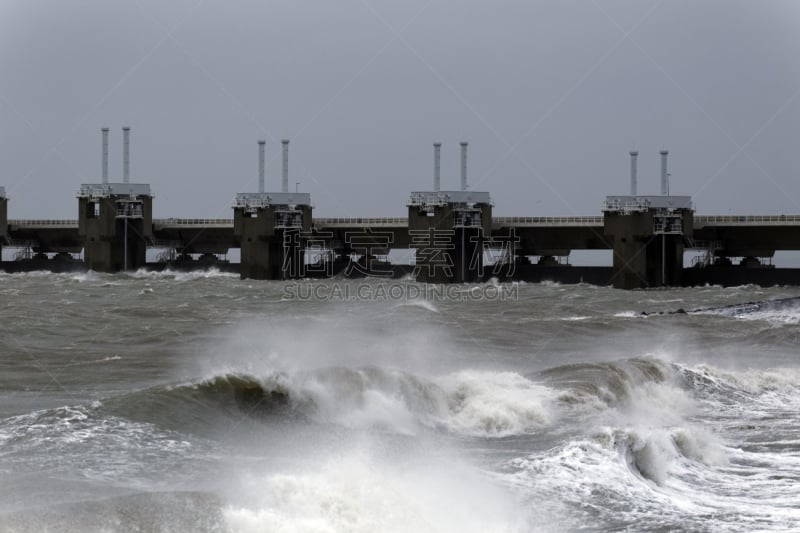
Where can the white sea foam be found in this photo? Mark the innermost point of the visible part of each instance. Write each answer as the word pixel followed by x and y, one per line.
pixel 36 274
pixel 788 316
pixel 682 476
pixel 754 380
pixel 179 275
pixel 102 448
pixel 83 277
pixel 94 361
pixel 548 283
pixel 356 494
pixel 494 404
pixel 658 301
pixel 359 400
pixel 653 463
pixel 776 312
pixel 420 303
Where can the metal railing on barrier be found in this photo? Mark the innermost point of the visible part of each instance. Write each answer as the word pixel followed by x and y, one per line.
pixel 754 220
pixel 42 222
pixel 699 220
pixel 353 221
pixel 548 221
pixel 220 222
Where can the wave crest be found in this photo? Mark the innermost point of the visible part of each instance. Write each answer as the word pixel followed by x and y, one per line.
pixel 470 403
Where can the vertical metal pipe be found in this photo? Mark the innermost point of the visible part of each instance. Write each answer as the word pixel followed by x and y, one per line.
pixel 634 155
pixel 126 161
pixel 437 152
pixel 261 145
pixel 463 166
pixel 285 167
pixel 664 175
pixel 125 261
pixel 463 254
pixel 105 155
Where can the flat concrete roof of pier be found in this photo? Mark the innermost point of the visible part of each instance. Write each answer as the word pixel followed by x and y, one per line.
pixel 638 203
pixel 114 189
pixel 449 197
pixel 262 199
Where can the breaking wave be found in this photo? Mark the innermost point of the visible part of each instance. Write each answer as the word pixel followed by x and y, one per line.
pixel 473 403
pixel 680 477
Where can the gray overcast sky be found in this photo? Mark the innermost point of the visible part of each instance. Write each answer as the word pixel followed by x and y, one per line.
pixel 551 96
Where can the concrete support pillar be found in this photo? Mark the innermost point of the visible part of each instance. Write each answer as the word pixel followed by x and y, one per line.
pixel 446 250
pixel 643 257
pixel 269 251
pixel 110 241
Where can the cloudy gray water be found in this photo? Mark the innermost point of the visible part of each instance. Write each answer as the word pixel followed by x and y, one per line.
pixel 199 402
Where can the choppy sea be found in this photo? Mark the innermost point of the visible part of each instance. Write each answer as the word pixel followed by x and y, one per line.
pixel 201 402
